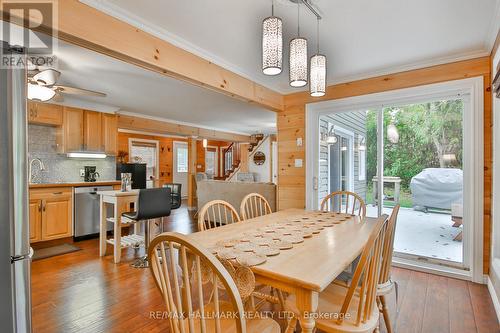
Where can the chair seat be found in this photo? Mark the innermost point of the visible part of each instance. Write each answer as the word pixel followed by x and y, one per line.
pixel 330 303
pixel 130 215
pixel 255 325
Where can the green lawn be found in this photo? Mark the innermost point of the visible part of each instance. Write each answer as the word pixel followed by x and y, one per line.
pixel 404 197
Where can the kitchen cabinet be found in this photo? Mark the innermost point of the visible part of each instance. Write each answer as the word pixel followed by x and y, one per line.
pixel 110 133
pixel 87 131
pixel 35 210
pixel 70 134
pixel 50 213
pixel 45 114
pixel 92 131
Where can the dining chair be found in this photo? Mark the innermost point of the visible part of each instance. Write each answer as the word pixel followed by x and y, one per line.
pixel 216 213
pixel 385 283
pixel 344 202
pixel 352 309
pixel 254 205
pixel 199 293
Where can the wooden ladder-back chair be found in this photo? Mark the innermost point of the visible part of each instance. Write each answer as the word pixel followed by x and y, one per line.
pixel 254 205
pixel 385 284
pixel 189 278
pixel 216 213
pixel 344 202
pixel 352 309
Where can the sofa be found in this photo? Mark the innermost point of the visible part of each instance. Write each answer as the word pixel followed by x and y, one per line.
pixel 233 192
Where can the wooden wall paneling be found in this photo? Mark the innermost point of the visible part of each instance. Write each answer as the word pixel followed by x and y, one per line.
pixel 166 128
pixel 200 156
pixel 192 173
pixel 83 25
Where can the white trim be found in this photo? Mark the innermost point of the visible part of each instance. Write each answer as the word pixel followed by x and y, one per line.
pixel 431 268
pixel 136 21
pixel 175 145
pixel 177 122
pixel 473 147
pixel 157 144
pixel 151 134
pixel 494 297
pixel 350 136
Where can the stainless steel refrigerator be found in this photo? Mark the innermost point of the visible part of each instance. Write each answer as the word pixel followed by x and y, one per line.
pixel 15 251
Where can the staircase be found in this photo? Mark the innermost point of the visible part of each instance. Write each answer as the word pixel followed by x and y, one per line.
pixel 232 156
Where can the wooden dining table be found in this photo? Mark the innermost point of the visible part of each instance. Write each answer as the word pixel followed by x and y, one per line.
pixel 309 267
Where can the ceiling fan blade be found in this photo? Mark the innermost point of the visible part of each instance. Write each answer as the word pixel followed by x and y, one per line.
pixel 47 77
pixel 58 97
pixel 78 91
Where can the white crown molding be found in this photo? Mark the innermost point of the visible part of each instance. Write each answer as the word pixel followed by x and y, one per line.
pixel 177 122
pixel 134 20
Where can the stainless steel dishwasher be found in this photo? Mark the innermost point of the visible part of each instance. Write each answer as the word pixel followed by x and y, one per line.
pixel 86 213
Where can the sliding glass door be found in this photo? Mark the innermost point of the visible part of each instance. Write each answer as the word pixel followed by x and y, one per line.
pixel 419 147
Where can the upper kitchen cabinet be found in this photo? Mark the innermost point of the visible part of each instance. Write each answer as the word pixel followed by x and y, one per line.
pixel 70 134
pixel 109 133
pixel 87 131
pixel 45 114
pixel 92 131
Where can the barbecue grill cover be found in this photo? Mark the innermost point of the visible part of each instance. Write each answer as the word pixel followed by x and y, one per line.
pixel 437 188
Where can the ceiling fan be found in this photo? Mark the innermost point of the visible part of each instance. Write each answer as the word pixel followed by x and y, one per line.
pixel 42 86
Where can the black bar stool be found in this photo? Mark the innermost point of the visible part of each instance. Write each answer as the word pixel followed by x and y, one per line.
pixel 152 203
pixel 175 192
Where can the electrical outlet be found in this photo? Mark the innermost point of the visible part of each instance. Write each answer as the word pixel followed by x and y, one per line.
pixel 298 163
pixel 82 172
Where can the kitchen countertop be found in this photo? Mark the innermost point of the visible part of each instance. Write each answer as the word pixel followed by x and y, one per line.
pixel 75 184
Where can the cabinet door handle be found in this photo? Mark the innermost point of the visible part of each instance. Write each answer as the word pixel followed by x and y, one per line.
pixel 44 205
pixel 57 193
pixel 40 207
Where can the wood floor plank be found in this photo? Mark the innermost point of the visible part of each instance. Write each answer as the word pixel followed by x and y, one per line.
pixel 436 313
pixel 413 305
pixel 82 292
pixel 482 306
pixel 461 313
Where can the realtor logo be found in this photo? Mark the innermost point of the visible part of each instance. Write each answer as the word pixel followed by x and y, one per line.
pixel 29 26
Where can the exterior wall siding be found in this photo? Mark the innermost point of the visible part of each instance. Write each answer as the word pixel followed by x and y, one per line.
pixel 354 121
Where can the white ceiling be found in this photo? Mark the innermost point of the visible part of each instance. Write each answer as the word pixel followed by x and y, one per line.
pixel 131 89
pixel 361 38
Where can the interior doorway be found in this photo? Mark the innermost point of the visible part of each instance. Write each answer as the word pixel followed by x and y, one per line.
pixel 180 172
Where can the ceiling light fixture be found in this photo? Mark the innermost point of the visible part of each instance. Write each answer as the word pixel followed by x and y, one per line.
pixel 298 57
pixel 272 44
pixel 317 83
pixel 40 93
pixel 86 155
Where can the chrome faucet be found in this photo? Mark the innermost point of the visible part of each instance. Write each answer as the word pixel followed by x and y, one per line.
pixel 42 168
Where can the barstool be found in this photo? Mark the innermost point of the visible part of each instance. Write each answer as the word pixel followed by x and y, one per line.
pixel 152 203
pixel 175 192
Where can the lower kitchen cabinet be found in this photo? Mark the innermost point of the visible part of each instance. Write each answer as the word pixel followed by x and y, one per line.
pixel 50 214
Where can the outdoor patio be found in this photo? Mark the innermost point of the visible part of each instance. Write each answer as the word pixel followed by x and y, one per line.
pixel 424 234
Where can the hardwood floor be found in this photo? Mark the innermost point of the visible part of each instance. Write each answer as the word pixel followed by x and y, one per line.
pixel 81 292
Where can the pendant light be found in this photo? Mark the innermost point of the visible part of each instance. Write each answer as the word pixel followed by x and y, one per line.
pixel 317 82
pixel 272 44
pixel 298 57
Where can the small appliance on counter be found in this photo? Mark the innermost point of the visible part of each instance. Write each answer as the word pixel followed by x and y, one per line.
pixel 90 174
pixel 137 171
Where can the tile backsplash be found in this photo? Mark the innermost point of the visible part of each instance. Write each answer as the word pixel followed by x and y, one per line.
pixel 60 168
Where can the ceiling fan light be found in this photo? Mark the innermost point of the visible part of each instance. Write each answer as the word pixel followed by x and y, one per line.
pixel 318 75
pixel 47 77
pixel 272 45
pixel 298 62
pixel 40 93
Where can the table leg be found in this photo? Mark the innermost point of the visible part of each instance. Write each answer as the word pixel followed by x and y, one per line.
pixel 397 190
pixel 102 228
pixel 307 304
pixel 117 233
